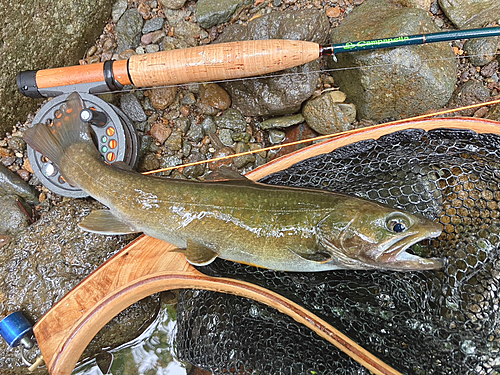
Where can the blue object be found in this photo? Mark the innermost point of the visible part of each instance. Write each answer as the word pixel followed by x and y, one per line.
pixel 14 328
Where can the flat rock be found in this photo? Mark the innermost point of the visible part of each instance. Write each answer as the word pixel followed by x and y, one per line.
pixel 132 108
pixel 12 184
pixel 282 122
pixel 52 256
pixel 468 14
pixel 39 34
pixel 401 82
pixel 285 93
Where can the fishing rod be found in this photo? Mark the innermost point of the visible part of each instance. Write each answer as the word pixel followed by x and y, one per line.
pixel 212 62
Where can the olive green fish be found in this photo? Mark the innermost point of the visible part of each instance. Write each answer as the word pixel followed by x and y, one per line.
pixel 281 228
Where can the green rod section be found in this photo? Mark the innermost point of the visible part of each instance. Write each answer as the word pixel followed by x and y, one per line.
pixel 409 40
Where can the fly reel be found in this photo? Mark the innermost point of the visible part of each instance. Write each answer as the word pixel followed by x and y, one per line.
pixel 112 133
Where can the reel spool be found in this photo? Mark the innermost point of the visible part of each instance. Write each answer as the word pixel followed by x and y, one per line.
pixel 113 135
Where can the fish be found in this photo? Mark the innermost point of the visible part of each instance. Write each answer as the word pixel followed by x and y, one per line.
pixel 230 217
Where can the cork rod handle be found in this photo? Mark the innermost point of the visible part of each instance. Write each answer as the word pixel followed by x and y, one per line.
pixel 220 61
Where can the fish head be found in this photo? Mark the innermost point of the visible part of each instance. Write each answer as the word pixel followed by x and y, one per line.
pixel 368 235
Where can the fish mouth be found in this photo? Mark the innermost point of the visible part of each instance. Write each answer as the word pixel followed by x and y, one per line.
pixel 395 257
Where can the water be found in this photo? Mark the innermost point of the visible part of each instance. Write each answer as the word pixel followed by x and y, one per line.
pixel 151 353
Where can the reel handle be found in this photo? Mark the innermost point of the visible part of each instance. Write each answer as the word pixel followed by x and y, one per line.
pixel 197 64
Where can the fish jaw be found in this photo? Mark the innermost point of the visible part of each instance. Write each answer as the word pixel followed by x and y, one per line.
pixel 396 258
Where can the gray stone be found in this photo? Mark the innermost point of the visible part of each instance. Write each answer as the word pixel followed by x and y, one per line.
pixel 194 171
pixel 152 25
pixel 324 115
pixel 276 136
pixel 195 132
pixel 481 50
pixel 231 119
pixel 226 137
pixel 12 217
pixel 494 113
pixel 173 4
pixel 209 125
pixel 402 82
pixel 174 142
pixel 51 257
pixel 282 122
pixel 183 124
pixel 129 30
pixel 188 99
pixel 349 110
pixel 152 48
pixel 132 108
pixel 12 184
pixel 468 14
pixel 170 161
pixel 242 137
pixel 284 93
pixel 470 92
pixel 38 34
pixel 119 7
pixel 210 13
pixel 17 144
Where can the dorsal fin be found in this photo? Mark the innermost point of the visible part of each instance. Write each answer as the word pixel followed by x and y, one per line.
pixel 226 174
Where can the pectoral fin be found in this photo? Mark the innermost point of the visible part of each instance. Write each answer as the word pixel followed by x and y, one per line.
pixel 197 254
pixel 317 256
pixel 104 222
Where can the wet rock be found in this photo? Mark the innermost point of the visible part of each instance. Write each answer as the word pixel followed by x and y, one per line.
pixel 13 184
pixel 170 161
pixel 38 34
pixel 161 98
pixel 276 136
pixel 231 119
pixel 152 48
pixel 283 94
pixel 494 113
pixel 132 108
pixel 282 122
pixel 208 125
pixel 210 13
pixel 52 256
pixel 243 160
pixel 186 148
pixel 296 133
pixel 182 123
pixel 194 171
pixel 468 14
pixel 242 137
pixel 226 137
pixel 422 4
pixel 409 80
pixel 148 162
pixel 349 110
pixel 129 30
pixel 17 144
pixel 188 99
pixel 12 217
pixel 153 24
pixel 152 37
pixel 471 92
pixel 490 69
pixel 119 7
pixel 160 131
pixel 172 4
pixel 174 142
pixel 213 95
pixel 195 132
pixel 221 153
pixel 481 50
pixel 324 115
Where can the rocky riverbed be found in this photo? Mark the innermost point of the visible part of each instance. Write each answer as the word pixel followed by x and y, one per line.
pixel 42 252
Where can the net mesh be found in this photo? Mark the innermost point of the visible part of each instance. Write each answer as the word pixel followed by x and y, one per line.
pixel 430 322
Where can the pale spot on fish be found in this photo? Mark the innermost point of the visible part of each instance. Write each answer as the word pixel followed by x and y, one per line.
pixel 147 200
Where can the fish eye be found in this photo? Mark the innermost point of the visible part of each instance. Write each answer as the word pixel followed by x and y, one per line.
pixel 397 225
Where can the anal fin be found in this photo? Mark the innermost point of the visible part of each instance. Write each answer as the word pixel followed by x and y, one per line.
pixel 104 222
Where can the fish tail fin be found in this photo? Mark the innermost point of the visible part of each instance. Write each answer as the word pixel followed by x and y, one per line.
pixel 66 129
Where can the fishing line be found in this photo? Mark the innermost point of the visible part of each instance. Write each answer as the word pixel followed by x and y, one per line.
pixel 322 137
